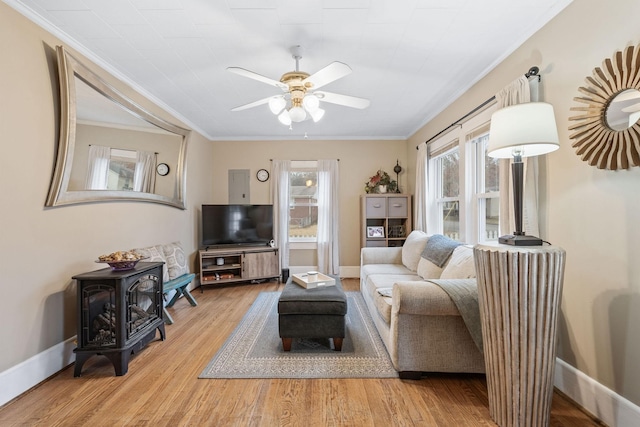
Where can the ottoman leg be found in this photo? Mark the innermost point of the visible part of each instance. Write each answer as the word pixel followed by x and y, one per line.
pixel 286 344
pixel 337 344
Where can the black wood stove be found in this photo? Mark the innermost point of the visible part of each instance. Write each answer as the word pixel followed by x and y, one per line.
pixel 118 313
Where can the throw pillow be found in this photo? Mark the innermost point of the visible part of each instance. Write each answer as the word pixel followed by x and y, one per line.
pixel 461 265
pixel 428 270
pixel 176 261
pixel 153 254
pixel 412 248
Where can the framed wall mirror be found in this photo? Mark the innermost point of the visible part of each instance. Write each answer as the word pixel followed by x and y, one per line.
pixel 110 147
pixel 606 133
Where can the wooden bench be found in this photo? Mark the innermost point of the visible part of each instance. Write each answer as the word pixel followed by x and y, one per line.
pixel 179 284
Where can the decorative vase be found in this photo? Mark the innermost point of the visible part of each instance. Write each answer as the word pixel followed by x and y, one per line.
pixel 382 189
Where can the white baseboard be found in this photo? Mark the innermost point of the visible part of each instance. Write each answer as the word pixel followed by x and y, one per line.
pixel 20 378
pixel 605 404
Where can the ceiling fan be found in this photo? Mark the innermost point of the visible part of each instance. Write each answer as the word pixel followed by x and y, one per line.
pixel 301 98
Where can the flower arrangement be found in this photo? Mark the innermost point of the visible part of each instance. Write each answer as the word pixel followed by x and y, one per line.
pixel 381 182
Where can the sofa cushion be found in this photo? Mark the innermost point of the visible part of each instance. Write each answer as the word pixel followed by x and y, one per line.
pixel 368 269
pixel 428 270
pixel 376 281
pixel 154 254
pixel 461 265
pixel 176 261
pixel 412 249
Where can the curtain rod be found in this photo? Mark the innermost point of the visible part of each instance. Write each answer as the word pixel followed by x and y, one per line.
pixel 533 71
pixel 298 160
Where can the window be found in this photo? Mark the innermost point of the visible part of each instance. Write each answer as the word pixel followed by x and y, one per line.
pixel 447 197
pixel 303 201
pixel 462 200
pixel 487 189
pixel 122 166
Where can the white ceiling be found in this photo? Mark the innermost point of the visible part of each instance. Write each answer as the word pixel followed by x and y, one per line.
pixel 411 58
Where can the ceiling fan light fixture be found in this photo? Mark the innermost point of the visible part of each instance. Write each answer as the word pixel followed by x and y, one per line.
pixel 297 114
pixel 317 114
pixel 311 103
pixel 285 118
pixel 277 104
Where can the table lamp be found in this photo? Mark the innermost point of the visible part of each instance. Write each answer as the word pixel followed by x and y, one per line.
pixel 518 131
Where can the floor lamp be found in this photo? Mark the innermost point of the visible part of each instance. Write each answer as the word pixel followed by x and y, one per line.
pixel 519 131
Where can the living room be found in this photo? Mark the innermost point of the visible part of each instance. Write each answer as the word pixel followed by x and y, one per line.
pixel 585 210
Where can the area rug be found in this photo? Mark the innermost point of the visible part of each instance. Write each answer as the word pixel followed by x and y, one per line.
pixel 254 349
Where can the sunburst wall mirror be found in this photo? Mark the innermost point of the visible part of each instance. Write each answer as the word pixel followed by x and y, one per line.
pixel 606 133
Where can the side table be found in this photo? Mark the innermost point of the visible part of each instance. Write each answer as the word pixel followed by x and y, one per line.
pixel 519 290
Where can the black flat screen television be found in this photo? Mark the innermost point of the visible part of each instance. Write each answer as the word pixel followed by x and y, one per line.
pixel 224 225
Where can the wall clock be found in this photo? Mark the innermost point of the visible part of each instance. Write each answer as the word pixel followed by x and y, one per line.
pixel 262 175
pixel 162 169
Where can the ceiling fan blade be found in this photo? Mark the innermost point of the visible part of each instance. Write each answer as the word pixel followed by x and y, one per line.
pixel 255 76
pixel 252 104
pixel 328 74
pixel 631 108
pixel 346 100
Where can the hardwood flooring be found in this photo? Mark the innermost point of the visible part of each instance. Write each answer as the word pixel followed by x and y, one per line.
pixel 162 386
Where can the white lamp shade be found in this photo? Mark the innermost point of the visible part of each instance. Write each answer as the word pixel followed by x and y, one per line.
pixel 285 118
pixel 317 114
pixel 277 104
pixel 297 114
pixel 529 127
pixel 311 103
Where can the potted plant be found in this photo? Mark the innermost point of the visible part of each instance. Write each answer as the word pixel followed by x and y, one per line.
pixel 381 182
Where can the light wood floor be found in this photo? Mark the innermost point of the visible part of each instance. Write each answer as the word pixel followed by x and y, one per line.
pixel 162 386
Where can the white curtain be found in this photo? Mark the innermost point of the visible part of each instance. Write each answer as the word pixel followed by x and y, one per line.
pixel 518 92
pixel 328 217
pixel 98 167
pixel 144 177
pixel 280 199
pixel 420 199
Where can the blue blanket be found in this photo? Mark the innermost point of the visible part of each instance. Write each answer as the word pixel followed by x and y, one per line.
pixel 438 249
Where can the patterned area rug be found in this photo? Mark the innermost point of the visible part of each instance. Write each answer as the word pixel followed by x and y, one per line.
pixel 254 349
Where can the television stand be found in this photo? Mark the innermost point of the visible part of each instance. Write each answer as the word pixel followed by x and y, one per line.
pixel 235 264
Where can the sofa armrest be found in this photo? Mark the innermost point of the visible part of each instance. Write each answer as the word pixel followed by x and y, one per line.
pixel 422 298
pixel 381 255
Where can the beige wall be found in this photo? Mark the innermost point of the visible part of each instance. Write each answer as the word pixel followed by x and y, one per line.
pixel 41 249
pixel 591 213
pixel 359 160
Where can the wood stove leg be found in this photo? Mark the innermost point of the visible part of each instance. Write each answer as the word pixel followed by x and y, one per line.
pixel 162 332
pixel 120 361
pixel 80 359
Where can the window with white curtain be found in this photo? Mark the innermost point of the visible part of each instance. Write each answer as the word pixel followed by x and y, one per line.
pixel 462 183
pixel 303 201
pixel 487 190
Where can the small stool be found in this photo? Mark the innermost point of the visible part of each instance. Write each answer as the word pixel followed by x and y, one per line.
pixel 179 284
pixel 312 313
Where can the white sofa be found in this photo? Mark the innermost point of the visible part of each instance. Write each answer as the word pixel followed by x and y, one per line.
pixel 417 320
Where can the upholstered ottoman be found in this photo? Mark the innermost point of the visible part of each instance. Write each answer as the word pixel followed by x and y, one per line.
pixel 312 313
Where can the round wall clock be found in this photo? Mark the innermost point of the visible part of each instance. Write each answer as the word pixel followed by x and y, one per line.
pixel 262 175
pixel 162 169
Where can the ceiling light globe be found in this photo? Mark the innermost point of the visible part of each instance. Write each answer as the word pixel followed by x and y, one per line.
pixel 317 115
pixel 285 118
pixel 311 103
pixel 277 104
pixel 297 114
